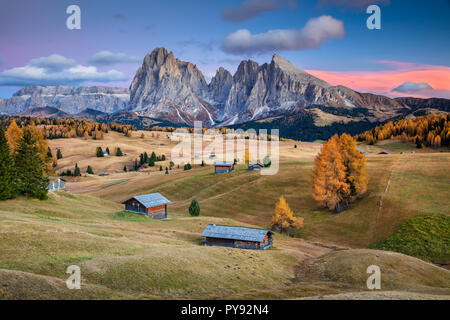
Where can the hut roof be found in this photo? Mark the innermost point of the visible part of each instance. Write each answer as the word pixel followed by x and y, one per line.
pixel 150 200
pixel 256 163
pixel 362 151
pixel 224 163
pixel 235 233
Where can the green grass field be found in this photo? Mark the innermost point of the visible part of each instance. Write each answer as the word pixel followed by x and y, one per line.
pixel 426 237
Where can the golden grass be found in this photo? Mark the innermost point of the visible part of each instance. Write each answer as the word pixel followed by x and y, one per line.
pixel 124 255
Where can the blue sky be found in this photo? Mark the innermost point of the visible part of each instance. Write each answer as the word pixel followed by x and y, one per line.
pixel 412 45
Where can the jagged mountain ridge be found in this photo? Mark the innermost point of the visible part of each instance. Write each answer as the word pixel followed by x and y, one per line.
pixel 170 89
pixel 167 88
pixel 176 91
pixel 68 99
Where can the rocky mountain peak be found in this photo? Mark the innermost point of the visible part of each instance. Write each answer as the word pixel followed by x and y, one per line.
pixel 168 88
pixel 219 87
pixel 157 57
pixel 245 70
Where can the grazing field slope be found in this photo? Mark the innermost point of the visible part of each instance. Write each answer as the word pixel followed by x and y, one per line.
pixel 123 255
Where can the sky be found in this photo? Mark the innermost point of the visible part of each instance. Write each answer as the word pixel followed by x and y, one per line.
pixel 408 56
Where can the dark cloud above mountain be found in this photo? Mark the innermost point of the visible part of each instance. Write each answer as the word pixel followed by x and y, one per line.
pixel 56 70
pixel 54 62
pixel 411 87
pixel 312 35
pixel 253 8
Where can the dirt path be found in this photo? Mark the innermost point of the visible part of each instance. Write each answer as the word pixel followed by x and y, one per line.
pixel 380 203
pixel 397 165
pixel 76 191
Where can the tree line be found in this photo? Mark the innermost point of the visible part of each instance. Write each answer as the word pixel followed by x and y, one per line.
pixel 68 128
pixel 430 130
pixel 144 158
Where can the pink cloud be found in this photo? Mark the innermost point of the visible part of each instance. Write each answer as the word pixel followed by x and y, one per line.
pixel 384 81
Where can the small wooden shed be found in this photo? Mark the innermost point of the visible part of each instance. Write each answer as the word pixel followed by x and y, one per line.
pixel 56 183
pixel 153 205
pixel 237 237
pixel 223 167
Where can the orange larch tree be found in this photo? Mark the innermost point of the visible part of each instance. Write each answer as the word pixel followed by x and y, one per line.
pixel 339 173
pixel 284 219
pixel 13 134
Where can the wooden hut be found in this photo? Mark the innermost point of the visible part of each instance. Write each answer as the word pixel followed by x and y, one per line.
pixel 153 205
pixel 237 237
pixel 223 167
pixel 56 184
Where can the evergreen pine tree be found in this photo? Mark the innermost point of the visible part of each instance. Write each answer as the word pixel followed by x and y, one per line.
pixel 99 152
pixel 59 154
pixel 76 171
pixel 107 150
pixel 7 176
pixel 30 168
pixel 119 152
pixel 125 169
pixel 49 153
pixel 160 168
pixel 194 208
pixel 419 144
pixel 167 170
pixel 89 170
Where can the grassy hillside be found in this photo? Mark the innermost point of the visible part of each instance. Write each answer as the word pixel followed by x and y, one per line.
pixel 127 255
pixel 426 237
pixel 345 271
pixel 400 187
pixel 122 255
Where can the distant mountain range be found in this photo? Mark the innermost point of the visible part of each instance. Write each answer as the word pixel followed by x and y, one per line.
pixel 171 91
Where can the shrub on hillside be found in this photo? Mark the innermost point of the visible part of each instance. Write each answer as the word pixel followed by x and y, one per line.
pixel 194 208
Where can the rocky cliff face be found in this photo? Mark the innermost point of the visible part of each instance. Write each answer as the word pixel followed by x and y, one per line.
pixel 170 89
pixel 219 88
pixel 69 99
pixel 167 88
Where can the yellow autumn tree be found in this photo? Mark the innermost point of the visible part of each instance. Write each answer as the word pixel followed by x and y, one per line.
pixel 13 134
pixel 42 146
pixel 283 219
pixel 355 164
pixel 339 174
